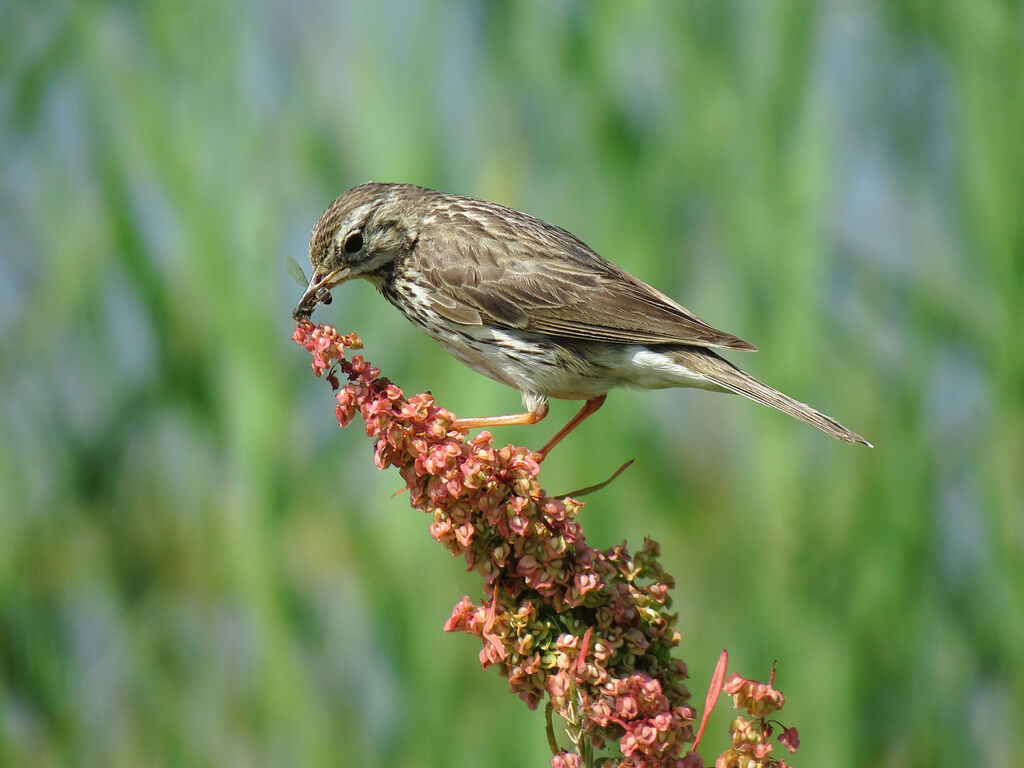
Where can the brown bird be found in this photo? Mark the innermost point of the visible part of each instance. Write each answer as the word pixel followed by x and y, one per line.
pixel 525 303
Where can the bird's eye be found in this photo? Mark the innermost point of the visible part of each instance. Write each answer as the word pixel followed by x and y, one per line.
pixel 354 242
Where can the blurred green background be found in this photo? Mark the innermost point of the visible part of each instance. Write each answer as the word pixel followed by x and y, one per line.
pixel 198 568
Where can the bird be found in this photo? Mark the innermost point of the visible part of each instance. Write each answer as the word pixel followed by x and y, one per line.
pixel 525 303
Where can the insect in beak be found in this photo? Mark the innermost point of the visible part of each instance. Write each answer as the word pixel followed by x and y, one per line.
pixel 317 292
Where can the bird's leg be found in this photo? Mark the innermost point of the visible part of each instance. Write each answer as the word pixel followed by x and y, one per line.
pixel 530 417
pixel 588 408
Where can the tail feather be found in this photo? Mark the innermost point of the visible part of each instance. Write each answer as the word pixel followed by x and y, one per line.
pixel 722 373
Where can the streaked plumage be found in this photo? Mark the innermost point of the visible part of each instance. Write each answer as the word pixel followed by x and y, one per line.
pixel 525 302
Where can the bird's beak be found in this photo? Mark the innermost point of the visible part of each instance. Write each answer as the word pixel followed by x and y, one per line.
pixel 318 291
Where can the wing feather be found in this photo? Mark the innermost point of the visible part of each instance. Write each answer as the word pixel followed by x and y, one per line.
pixel 512 282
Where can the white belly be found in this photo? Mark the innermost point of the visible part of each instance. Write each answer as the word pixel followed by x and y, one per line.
pixel 543 367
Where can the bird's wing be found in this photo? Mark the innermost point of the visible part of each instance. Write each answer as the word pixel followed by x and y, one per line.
pixel 516 283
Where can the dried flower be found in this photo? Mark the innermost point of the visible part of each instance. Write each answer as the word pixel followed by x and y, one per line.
pixel 759 699
pixel 750 747
pixel 566 760
pixel 790 739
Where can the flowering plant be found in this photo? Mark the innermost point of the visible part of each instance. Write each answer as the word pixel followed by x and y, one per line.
pixel 589 629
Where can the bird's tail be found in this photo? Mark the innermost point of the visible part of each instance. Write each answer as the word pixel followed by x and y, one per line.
pixel 722 373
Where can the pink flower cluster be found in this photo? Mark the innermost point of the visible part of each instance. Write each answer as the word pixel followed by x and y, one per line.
pixel 589 629
pixel 750 747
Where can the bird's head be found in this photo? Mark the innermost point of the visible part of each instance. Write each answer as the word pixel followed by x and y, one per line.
pixel 360 235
